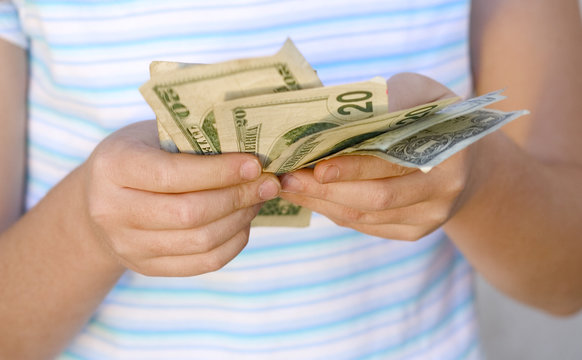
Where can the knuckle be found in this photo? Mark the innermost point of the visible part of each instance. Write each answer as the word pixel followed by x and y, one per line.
pixel 121 248
pixel 99 161
pixel 204 240
pixel 185 214
pixel 101 168
pixel 382 200
pixel 439 215
pixel 98 211
pixel 340 222
pixel 239 196
pixel 456 184
pixel 105 159
pixel 211 262
pixel 352 215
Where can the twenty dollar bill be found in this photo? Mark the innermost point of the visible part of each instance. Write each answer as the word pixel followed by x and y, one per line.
pixel 182 97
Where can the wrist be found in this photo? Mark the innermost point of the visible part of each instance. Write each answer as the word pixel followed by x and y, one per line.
pixel 77 234
pixel 51 255
pixel 484 163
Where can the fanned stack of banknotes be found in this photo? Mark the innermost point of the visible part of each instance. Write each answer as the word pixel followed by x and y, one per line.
pixel 276 108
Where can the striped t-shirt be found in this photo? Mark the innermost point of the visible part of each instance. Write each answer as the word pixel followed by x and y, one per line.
pixel 324 292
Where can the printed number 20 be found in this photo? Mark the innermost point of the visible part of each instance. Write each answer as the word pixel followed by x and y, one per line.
pixel 354 96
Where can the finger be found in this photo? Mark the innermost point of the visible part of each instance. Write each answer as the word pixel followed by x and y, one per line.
pixel 357 167
pixel 196 264
pixel 130 159
pixel 365 195
pixel 158 211
pixel 417 214
pixel 144 245
pixel 389 231
pixel 406 90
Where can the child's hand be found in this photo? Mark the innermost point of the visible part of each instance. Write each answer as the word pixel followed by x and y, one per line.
pixel 165 214
pixel 380 198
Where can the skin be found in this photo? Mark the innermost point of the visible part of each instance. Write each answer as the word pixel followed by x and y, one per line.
pixel 184 226
pixel 511 202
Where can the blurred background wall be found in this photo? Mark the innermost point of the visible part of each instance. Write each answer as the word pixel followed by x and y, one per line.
pixel 511 331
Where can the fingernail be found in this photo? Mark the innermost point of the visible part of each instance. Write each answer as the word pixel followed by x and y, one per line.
pixel 331 173
pixel 268 190
pixel 290 183
pixel 250 170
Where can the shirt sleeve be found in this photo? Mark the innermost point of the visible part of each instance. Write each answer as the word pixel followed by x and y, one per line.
pixel 10 28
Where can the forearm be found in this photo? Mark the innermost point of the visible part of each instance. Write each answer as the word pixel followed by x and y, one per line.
pixel 533 48
pixel 54 275
pixel 13 75
pixel 521 228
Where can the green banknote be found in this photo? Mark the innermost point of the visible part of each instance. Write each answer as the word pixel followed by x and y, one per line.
pixel 268 125
pixel 183 95
pixel 274 107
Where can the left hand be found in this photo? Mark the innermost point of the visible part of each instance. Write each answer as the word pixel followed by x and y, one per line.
pixel 380 198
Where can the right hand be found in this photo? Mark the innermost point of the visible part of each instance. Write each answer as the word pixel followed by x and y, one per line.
pixel 164 214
